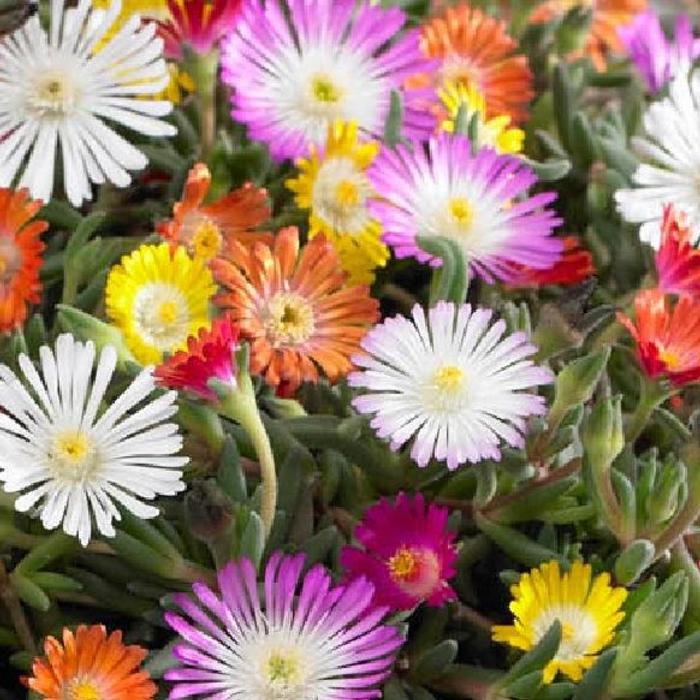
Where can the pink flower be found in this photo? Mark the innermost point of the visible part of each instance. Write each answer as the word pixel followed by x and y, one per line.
pixel 408 553
pixel 677 261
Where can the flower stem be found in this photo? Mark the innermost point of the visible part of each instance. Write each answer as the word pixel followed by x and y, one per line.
pixel 651 395
pixel 205 70
pixel 16 612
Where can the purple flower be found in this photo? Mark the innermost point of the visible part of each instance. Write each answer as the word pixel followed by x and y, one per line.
pixel 309 639
pixel 658 59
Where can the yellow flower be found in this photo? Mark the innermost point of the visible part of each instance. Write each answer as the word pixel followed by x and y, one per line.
pixel 333 185
pixel 158 298
pixel 588 610
pixel 493 132
pixel 153 9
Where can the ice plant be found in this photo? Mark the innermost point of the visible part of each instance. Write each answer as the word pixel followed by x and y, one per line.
pixel 587 607
pixel 677 261
pixel 90 665
pixel 451 381
pixel 158 298
pixel 306 639
pixel 294 308
pixel 70 457
pixel 408 553
pixel 333 185
pixel 295 73
pixel 20 257
pixel 657 59
pixel 57 91
pixel 206 230
pixel 476 200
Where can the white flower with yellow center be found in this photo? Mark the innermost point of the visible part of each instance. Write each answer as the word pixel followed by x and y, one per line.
pixel 72 457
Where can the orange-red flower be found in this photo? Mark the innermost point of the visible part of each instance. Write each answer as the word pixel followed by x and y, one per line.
pixel 89 665
pixel 295 308
pixel 677 261
pixel 475 49
pixel 206 230
pixel 667 335
pixel 20 257
pixel 608 17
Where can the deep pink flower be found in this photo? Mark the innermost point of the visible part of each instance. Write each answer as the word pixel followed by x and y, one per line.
pixel 677 261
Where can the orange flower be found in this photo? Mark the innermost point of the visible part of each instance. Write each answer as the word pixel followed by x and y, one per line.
pixel 206 230
pixel 20 257
pixel 91 666
pixel 475 49
pixel 294 308
pixel 608 17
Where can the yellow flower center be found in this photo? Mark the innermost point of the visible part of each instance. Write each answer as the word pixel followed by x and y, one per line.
pixel 82 690
pixel 324 90
pixel 347 195
pixel 462 212
pixel 671 359
pixel 10 259
pixel 444 390
pixel 449 378
pixel 53 94
pixel 283 668
pixel 207 239
pixel 72 456
pixel 167 312
pixel 162 316
pixel 404 564
pixel 290 319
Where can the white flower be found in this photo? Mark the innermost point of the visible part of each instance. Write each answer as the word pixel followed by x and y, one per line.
pixel 60 89
pixel 671 173
pixel 62 450
pixel 451 381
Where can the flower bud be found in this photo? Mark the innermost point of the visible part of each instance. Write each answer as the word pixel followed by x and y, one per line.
pixel 633 560
pixel 603 436
pixel 666 496
pixel 208 510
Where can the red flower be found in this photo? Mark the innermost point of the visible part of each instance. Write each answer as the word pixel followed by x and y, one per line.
pixel 677 261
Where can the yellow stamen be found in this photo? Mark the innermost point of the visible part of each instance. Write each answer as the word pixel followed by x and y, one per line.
pixel 167 312
pixel 670 358
pixel 290 321
pixel 403 565
pixel 83 690
pixel 53 93
pixel 72 447
pixel 461 211
pixel 207 239
pixel 449 379
pixel 282 667
pixel 324 90
pixel 347 194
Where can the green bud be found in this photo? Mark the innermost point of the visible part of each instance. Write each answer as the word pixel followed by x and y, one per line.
pixel 665 498
pixel 602 435
pixel 208 510
pixel 573 31
pixel 632 562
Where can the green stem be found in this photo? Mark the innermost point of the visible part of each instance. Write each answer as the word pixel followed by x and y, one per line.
pixel 16 612
pixel 205 69
pixel 651 395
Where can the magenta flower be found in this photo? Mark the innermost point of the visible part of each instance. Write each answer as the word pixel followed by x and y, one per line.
pixel 657 59
pixel 408 555
pixel 480 201
pixel 296 73
pixel 308 639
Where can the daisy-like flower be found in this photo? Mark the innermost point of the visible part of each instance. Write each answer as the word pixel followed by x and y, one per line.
pixel 72 459
pixel 158 298
pixel 206 230
pixel 306 639
pixel 295 73
pixel 671 162
pixel 475 50
pixel 89 665
pixel 295 309
pixel 494 132
pixel 20 257
pixel 449 380
pixel 409 554
pixel 677 261
pixel 58 91
pixel 476 200
pixel 588 609
pixel 667 336
pixel 657 59
pixel 333 185
pixel 608 16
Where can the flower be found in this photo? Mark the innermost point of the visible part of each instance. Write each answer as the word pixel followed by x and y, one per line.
pixel 56 89
pixel 448 191
pixel 206 230
pixel 409 554
pixel 294 308
pixel 677 261
pixel 494 132
pixel 208 356
pixel 449 380
pixel 333 184
pixel 672 162
pixel 90 665
pixel 158 298
pixel 657 59
pixel 588 609
pixel 20 257
pixel 308 639
pixel 608 16
pixel 294 74
pixel 475 50
pixel 69 458
pixel 667 335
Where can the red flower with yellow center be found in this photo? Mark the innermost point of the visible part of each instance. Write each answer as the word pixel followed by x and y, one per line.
pixel 295 308
pixel 677 260
pixel 206 230
pixel 90 665
pixel 20 257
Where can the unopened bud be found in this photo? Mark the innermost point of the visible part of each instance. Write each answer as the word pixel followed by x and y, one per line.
pixel 208 510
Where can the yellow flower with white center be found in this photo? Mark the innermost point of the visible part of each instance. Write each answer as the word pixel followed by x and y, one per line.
pixel 158 298
pixel 588 609
pixel 494 132
pixel 332 184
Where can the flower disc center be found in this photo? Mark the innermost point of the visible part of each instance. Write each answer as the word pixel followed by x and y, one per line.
pixel 324 89
pixel 72 456
pixel 54 93
pixel 162 315
pixel 404 564
pixel 82 689
pixel 290 319
pixel 207 239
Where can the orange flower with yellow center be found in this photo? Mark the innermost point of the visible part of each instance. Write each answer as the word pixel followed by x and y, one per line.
pixel 206 230
pixel 89 665
pixel 20 257
pixel 294 308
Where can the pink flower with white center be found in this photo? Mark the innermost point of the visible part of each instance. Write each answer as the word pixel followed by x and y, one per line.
pixel 408 554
